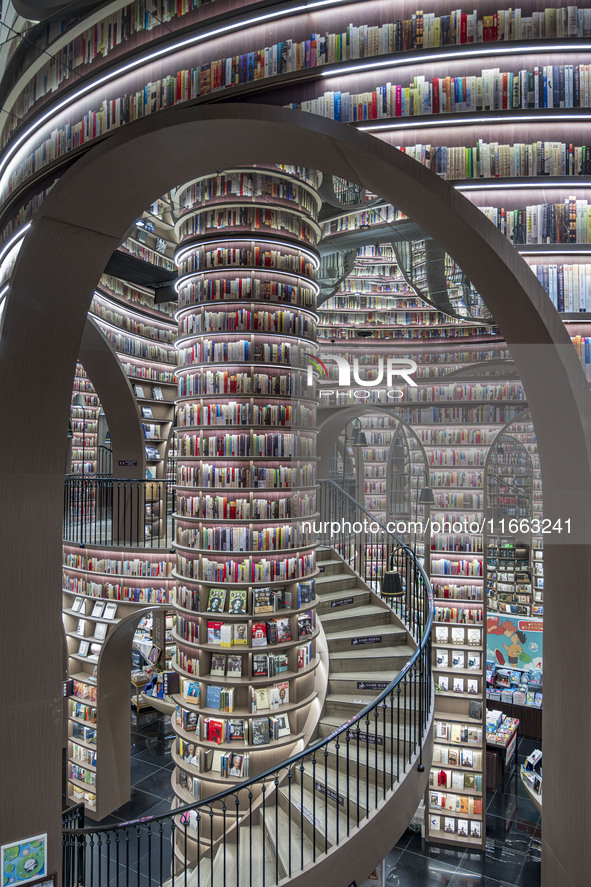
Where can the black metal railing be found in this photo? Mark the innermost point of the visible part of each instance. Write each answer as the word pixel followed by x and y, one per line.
pixel 73 853
pixel 122 513
pixel 273 825
pixel 105 460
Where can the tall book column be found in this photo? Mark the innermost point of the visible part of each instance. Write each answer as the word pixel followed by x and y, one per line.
pixel 245 599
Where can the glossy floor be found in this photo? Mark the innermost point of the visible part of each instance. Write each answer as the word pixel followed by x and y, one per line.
pixel 513 832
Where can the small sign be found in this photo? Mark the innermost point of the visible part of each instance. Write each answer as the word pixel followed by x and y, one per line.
pixel 372 685
pixel 324 790
pixel 374 639
pixel 129 462
pixel 343 602
pixel 321 569
pixel 68 688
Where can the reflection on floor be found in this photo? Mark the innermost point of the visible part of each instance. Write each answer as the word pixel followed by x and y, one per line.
pixel 512 822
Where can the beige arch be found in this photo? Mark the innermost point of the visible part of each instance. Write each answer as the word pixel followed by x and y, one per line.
pixel 70 240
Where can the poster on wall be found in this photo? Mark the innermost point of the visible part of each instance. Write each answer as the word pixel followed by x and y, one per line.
pixel 514 642
pixel 24 861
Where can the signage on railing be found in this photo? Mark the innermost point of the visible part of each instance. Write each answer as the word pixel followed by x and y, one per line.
pixel 374 639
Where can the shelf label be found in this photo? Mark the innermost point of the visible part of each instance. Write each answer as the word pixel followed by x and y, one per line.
pixel 170 683
pixel 374 639
pixel 68 688
pixel 129 462
pixel 343 602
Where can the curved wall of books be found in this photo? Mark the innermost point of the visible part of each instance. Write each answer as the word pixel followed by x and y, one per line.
pixel 245 563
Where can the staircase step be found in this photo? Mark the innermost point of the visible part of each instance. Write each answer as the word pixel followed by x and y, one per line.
pixel 343 599
pixel 318 822
pixel 335 581
pixel 347 682
pixel 390 735
pixel 249 864
pixel 366 616
pixel 392 658
pixel 341 639
pixel 279 824
pixel 315 779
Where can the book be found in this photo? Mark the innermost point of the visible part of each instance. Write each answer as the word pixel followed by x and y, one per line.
pixel 279 695
pixel 260 664
pixel 214 632
pixel 271 633
pixel 306 592
pixel 190 690
pixel 240 633
pixel 83 648
pixel 236 731
pixel 110 611
pixel 138 390
pixel 100 631
pixel 305 624
pixel 97 610
pixel 261 698
pixel 237 601
pixel 261 600
pixel 78 605
pixel 227 634
pixel 259 634
pixel 218 664
pixel 283 630
pixel 216 601
pixel 214 695
pixel 234 666
pixel 282 725
pixel 156 393
pixel 147 413
pixel 260 731
pixel 81 629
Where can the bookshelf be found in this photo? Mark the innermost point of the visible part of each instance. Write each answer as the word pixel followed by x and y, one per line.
pixel 245 603
pixel 84 421
pixel 106 593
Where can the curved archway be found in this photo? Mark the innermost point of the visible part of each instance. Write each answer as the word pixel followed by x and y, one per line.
pixel 70 240
pixel 104 370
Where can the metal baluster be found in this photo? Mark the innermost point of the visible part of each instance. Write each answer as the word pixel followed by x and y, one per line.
pixel 161 831
pixel 138 835
pixel 172 848
pixel 325 799
pixel 358 738
pixel 224 832
pixel 249 839
pixel 289 778
pixel 237 826
pixel 276 784
pixel 376 715
pixel 314 806
pixel 348 741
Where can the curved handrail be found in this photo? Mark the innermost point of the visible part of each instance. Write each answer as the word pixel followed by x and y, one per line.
pixel 414 678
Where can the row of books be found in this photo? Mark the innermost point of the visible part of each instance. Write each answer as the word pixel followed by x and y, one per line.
pixel 445 684
pixel 463 804
pixel 463 828
pixel 253 731
pixel 245 320
pixel 248 382
pixel 458 757
pixel 460 659
pixel 155 392
pixel 245 184
pixel 83 733
pixel 467 544
pixel 133 566
pixel 83 711
pixel 542 86
pixel 420 31
pixel 246 570
pixel 263 600
pixel 462 567
pixel 117 317
pixel 252 255
pixel 455 779
pixel 80 774
pixel 252 477
pixel 451 436
pixel 246 507
pixel 197 290
pixel 138 348
pixel 139 370
pixel 100 609
pixel 212 351
pixel 227 634
pixel 243 413
pixel 86 756
pixel 459 615
pixel 106 590
pixel 246 539
pixel 250 218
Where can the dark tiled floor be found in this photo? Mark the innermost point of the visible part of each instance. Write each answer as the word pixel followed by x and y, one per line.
pixel 512 858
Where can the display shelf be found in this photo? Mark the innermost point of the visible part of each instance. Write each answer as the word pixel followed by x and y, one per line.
pixel 83 613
